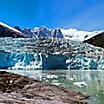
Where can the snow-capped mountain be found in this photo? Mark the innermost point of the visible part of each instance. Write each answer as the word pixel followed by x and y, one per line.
pixel 70 34
pixel 45 32
pixel 74 34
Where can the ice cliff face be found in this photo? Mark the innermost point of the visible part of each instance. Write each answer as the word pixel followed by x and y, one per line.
pixel 28 61
pixel 49 61
pixel 19 60
pixel 32 54
pixel 15 60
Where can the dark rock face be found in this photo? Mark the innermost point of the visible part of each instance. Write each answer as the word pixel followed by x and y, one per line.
pixel 53 33
pixel 97 40
pixel 18 28
pixel 42 32
pixel 59 34
pixel 7 32
pixel 56 33
pixel 17 89
pixel 27 31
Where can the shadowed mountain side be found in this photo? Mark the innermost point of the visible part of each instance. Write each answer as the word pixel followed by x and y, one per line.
pixel 6 31
pixel 97 40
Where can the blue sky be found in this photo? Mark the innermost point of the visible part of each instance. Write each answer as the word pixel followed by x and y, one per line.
pixel 80 14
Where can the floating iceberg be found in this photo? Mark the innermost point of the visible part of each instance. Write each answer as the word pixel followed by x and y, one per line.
pixel 80 84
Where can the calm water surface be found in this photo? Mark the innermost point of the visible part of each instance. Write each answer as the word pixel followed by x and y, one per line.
pixel 90 82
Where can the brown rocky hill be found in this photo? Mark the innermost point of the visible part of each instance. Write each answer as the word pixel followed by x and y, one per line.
pixel 97 40
pixel 17 89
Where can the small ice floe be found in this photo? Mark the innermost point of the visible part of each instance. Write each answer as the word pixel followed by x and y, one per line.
pixel 57 53
pixel 56 84
pixel 71 79
pixel 52 76
pixel 44 78
pixel 80 84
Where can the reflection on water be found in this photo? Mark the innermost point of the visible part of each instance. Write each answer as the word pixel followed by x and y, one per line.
pixel 90 82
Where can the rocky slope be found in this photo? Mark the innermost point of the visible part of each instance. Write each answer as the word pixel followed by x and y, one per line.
pixel 17 89
pixel 97 40
pixel 7 31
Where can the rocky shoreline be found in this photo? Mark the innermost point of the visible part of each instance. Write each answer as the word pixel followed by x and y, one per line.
pixel 17 89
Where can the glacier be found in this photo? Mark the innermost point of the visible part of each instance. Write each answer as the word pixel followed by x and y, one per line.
pixel 31 61
pixel 78 35
pixel 49 61
pixel 27 53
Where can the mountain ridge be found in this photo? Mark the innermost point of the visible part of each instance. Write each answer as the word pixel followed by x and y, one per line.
pixel 70 34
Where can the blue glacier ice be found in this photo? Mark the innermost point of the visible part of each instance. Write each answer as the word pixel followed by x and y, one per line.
pixel 16 60
pixel 42 54
pixel 54 61
pixel 25 60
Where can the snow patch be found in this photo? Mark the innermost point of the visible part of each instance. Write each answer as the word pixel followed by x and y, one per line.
pixel 74 34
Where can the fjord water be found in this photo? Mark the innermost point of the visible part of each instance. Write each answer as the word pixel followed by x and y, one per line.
pixel 92 81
